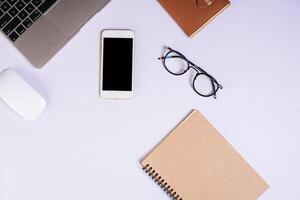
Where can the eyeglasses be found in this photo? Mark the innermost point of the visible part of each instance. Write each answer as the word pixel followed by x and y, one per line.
pixel 204 3
pixel 177 64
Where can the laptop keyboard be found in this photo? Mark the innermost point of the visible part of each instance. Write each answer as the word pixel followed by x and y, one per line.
pixel 16 16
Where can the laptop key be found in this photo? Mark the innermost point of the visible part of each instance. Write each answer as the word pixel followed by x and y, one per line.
pixel 5 6
pixel 27 23
pixel 37 2
pixel 4 20
pixel 23 14
pixel 12 2
pixel 35 15
pixel 1 13
pixel 46 5
pixel 20 5
pixel 11 25
pixel 20 29
pixel 13 11
pixel 13 36
pixel 29 8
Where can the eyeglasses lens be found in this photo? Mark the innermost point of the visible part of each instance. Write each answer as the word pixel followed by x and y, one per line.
pixel 204 85
pixel 175 63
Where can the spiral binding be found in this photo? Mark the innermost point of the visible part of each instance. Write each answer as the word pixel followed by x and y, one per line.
pixel 161 182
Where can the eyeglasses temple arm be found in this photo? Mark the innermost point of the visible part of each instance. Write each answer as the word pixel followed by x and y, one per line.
pixel 164 57
pixel 197 67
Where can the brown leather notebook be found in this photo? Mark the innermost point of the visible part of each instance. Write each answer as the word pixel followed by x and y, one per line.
pixel 195 162
pixel 193 15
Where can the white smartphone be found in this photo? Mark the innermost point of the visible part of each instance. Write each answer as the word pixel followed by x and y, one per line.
pixel 117 64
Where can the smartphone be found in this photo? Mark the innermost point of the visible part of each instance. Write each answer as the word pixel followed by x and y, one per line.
pixel 117 64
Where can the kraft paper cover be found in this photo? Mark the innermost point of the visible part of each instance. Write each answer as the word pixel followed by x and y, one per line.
pixel 196 162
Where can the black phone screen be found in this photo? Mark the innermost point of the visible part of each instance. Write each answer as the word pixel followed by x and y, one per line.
pixel 117 64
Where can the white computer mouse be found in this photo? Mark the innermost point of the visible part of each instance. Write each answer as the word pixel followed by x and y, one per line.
pixel 20 96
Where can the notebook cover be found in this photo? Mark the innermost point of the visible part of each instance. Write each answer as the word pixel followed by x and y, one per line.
pixel 196 162
pixel 190 16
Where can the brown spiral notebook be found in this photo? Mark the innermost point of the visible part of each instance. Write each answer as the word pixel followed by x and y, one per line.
pixel 193 15
pixel 195 162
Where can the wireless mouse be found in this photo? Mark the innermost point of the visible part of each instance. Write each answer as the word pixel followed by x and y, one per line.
pixel 20 96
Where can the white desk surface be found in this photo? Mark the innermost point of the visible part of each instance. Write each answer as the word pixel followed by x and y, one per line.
pixel 84 147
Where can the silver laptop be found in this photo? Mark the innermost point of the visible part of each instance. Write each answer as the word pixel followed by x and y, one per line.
pixel 40 28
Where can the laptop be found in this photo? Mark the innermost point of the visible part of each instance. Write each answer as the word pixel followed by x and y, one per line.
pixel 40 28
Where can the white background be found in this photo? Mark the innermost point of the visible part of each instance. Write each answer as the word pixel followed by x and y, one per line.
pixel 84 147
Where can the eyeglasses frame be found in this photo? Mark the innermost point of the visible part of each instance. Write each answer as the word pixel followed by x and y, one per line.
pixel 199 72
